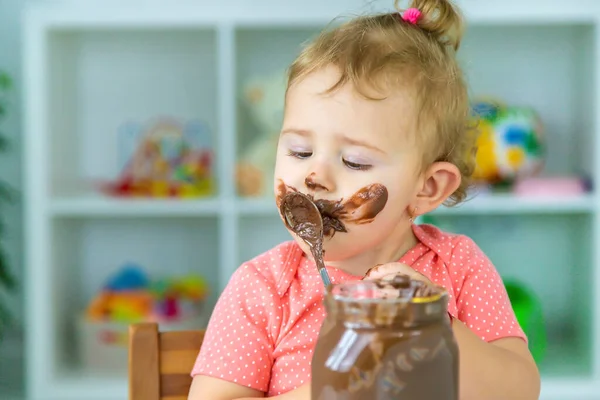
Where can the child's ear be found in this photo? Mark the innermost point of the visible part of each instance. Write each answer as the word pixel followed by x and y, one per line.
pixel 440 180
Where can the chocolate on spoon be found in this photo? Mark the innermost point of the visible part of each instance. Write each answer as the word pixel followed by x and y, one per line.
pixel 302 216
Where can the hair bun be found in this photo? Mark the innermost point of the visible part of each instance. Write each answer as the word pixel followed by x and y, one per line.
pixel 441 19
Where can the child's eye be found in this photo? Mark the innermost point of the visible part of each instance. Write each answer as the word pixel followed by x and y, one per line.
pixel 357 166
pixel 299 154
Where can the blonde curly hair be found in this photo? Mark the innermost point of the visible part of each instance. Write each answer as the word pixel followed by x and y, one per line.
pixel 383 52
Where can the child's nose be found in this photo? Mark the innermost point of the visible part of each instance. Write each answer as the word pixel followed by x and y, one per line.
pixel 319 181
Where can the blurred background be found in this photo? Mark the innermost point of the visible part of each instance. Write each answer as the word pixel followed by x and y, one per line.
pixel 136 152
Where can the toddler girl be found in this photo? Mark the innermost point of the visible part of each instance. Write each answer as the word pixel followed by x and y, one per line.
pixel 377 106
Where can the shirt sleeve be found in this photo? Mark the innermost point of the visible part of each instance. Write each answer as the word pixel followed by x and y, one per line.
pixel 482 301
pixel 238 344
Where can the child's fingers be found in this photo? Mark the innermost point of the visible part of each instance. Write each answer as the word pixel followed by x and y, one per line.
pixel 383 271
pixel 388 271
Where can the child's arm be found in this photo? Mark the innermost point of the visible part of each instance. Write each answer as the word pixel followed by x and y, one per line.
pixel 236 356
pixel 301 393
pixel 206 387
pixel 500 368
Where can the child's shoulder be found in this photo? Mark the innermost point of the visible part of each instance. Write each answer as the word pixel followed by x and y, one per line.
pixel 273 267
pixel 448 246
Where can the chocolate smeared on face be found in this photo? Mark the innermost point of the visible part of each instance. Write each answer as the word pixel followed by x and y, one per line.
pixel 364 205
pixel 331 212
pixel 281 191
pixel 361 208
pixel 310 183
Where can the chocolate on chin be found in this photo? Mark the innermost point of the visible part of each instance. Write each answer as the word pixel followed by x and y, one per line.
pixel 385 340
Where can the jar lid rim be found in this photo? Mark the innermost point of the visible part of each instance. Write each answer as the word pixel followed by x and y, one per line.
pixel 440 293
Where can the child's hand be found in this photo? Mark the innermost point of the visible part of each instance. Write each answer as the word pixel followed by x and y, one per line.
pixel 390 270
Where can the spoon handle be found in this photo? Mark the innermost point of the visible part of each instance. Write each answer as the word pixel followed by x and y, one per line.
pixel 325 277
pixel 323 273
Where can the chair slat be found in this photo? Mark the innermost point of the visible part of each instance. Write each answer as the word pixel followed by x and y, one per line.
pixel 160 363
pixel 143 362
pixel 181 340
pixel 175 385
pixel 177 361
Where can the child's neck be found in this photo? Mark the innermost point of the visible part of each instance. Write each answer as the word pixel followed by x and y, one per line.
pixel 390 251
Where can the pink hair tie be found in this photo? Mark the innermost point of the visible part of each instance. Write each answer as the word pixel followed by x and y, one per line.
pixel 412 15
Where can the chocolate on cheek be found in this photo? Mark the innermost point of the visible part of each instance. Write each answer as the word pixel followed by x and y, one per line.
pixel 364 205
pixel 281 191
pixel 361 208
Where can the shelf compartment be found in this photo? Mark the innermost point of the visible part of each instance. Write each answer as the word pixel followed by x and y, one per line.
pixel 107 86
pixel 548 67
pixel 262 57
pixel 553 256
pixel 85 252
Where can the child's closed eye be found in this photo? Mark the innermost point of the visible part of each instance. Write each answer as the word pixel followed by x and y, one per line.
pixel 354 165
pixel 299 154
pixel 358 166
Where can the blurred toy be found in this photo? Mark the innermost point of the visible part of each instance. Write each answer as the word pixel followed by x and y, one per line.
pixel 528 310
pixel 553 186
pixel 131 296
pixel 263 98
pixel 131 277
pixel 167 160
pixel 510 143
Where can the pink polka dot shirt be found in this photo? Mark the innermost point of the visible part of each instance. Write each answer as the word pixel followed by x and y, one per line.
pixel 264 327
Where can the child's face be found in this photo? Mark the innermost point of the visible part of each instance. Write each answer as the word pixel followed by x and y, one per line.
pixel 335 145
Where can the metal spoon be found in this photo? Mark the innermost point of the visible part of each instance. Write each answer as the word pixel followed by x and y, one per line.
pixel 302 216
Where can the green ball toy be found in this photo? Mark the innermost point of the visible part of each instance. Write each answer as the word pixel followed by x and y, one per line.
pixel 528 310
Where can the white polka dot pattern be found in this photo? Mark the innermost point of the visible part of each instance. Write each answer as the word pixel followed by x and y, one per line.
pixel 478 297
pixel 264 327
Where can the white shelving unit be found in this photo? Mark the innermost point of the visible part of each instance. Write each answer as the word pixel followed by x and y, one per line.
pixel 91 65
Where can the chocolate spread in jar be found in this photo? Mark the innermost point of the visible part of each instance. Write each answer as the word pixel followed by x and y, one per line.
pixel 384 340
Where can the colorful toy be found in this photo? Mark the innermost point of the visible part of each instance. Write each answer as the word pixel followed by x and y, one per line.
pixel 131 296
pixel 169 159
pixel 131 277
pixel 510 142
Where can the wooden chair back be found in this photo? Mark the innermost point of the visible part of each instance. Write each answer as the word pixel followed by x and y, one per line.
pixel 160 363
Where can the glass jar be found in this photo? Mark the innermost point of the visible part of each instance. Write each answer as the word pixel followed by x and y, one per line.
pixel 383 340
